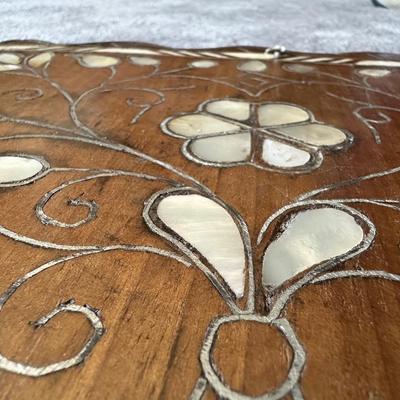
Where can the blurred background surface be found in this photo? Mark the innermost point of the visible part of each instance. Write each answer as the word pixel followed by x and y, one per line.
pixel 304 25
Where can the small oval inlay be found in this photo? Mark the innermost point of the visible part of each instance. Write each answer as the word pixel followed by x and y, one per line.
pixel 18 168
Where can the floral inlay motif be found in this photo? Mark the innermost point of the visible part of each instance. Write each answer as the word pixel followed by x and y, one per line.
pixel 269 135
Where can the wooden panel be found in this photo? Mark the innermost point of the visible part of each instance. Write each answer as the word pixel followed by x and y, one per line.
pixel 198 223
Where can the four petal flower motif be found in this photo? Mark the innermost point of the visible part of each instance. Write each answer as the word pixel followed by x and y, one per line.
pixel 270 135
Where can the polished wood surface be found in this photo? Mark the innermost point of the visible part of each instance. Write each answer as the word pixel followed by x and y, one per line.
pixel 154 309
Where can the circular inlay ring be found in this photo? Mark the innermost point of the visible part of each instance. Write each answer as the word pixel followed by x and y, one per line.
pixel 216 381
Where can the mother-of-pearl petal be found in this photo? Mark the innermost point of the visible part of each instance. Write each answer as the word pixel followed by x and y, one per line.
pixel 41 59
pixel 283 155
pixel 203 64
pixel 239 110
pixel 10 58
pixel 310 237
pixel 223 149
pixel 301 68
pixel 376 73
pixel 252 66
pixel 18 168
pixel 144 61
pixel 9 67
pixel 279 114
pixel 208 227
pixel 189 125
pixel 314 134
pixel 96 61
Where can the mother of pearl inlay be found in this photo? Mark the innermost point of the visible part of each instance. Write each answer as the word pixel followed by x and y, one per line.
pixel 283 155
pixel 203 64
pixel 227 132
pixel 41 59
pixel 226 148
pixel 278 114
pixel 10 58
pixel 314 134
pixel 18 168
pixel 208 227
pixel 9 67
pixel 378 63
pixel 310 237
pixel 198 124
pixel 300 68
pixel 238 110
pixel 144 61
pixel 96 61
pixel 376 73
pixel 252 66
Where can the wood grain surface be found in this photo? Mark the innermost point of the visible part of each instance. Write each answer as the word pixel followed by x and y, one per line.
pixel 86 120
